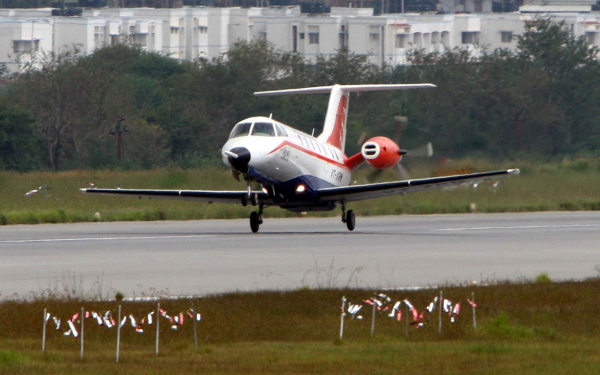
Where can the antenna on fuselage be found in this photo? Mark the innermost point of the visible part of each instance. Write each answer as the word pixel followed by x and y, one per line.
pixel 270 115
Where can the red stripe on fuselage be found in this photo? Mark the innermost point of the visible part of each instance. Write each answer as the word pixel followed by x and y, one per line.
pixel 309 152
pixel 337 134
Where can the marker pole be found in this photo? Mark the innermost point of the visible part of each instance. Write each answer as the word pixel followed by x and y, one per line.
pixel 195 332
pixel 373 320
pixel 440 314
pixel 82 332
pixel 44 334
pixel 157 325
pixel 406 318
pixel 474 318
pixel 342 318
pixel 119 334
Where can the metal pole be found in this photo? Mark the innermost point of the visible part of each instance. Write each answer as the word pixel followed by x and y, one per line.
pixel 119 334
pixel 474 319
pixel 82 333
pixel 44 334
pixel 440 314
pixel 195 332
pixel 157 325
pixel 342 318
pixel 406 318
pixel 373 320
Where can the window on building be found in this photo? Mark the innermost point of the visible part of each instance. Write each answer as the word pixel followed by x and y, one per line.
pixel 402 40
pixel 478 6
pixel 313 34
pixel 506 36
pixel 374 33
pixel 470 37
pixel 590 38
pixel 26 46
pixel 301 35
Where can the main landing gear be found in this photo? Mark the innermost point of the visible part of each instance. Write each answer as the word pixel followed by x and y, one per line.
pixel 256 219
pixel 348 218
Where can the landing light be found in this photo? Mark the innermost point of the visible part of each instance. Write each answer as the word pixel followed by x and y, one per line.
pixel 300 189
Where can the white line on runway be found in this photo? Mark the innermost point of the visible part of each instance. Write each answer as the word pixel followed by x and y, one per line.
pixel 522 227
pixel 103 239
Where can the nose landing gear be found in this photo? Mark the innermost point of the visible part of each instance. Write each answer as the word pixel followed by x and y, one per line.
pixel 256 219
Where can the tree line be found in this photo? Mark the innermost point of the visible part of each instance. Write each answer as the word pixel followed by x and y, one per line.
pixel 538 101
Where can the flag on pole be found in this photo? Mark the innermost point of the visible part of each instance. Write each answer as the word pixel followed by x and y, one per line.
pixel 471 303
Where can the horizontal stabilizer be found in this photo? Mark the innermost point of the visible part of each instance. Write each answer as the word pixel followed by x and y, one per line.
pixel 345 88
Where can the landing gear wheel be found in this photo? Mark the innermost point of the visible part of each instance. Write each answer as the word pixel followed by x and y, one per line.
pixel 254 199
pixel 350 220
pixel 255 221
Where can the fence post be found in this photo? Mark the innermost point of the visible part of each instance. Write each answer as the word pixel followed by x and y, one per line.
pixel 373 320
pixel 82 332
pixel 406 318
pixel 119 333
pixel 342 318
pixel 157 325
pixel 195 332
pixel 474 318
pixel 440 314
pixel 44 333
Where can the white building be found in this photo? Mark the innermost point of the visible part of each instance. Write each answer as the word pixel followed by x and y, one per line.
pixel 201 32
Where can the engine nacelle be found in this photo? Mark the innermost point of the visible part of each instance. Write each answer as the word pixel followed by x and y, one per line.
pixel 381 152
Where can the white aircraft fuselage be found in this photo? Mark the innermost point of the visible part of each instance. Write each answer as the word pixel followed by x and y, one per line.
pixel 289 161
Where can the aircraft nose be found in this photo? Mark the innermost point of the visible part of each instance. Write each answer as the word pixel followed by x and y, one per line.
pixel 239 158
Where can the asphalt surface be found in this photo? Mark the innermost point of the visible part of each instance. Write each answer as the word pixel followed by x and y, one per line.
pixel 214 256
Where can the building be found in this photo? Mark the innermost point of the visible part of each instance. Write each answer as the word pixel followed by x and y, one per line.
pixel 191 33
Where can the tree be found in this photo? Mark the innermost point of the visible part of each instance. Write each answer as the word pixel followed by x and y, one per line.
pixel 18 143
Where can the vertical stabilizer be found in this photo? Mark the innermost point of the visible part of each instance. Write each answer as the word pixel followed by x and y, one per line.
pixel 334 129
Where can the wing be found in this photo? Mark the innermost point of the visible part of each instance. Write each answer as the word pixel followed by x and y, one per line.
pixel 209 196
pixel 384 189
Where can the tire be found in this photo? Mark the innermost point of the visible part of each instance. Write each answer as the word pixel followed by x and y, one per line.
pixel 350 220
pixel 254 221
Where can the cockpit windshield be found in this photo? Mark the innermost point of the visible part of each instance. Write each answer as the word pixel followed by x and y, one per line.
pixel 241 130
pixel 264 129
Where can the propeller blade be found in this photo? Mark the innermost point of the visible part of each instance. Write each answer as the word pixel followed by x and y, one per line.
pixel 425 151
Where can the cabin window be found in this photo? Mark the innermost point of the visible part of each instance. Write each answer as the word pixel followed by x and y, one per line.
pixel 241 130
pixel 263 129
pixel 281 131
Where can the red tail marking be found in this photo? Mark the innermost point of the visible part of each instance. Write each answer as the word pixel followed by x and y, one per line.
pixel 354 161
pixel 336 137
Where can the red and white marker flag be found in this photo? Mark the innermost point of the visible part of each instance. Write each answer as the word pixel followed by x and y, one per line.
pixel 73 330
pixel 431 306
pixel 394 309
pixel 447 306
pixel 471 303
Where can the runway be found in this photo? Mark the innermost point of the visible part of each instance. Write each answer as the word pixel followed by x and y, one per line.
pixel 214 256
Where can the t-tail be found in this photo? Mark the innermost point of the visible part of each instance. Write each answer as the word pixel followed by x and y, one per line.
pixel 334 129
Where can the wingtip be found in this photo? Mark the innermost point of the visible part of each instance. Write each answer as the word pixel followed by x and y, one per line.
pixel 514 172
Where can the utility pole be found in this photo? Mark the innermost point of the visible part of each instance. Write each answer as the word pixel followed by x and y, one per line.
pixel 118 131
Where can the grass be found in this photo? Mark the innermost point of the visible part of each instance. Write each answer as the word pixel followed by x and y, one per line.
pixel 565 185
pixel 524 327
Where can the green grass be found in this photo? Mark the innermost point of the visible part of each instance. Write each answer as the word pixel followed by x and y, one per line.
pixel 524 328
pixel 566 185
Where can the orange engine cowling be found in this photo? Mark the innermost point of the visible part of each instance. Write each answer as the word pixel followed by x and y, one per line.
pixel 381 152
